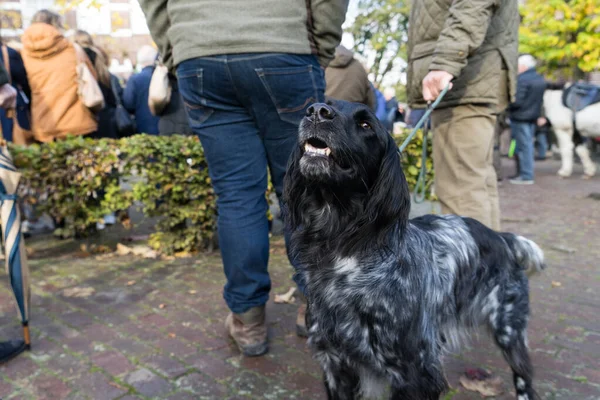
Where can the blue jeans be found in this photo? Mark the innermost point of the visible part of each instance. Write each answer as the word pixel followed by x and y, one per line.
pixel 246 109
pixel 523 133
pixel 541 144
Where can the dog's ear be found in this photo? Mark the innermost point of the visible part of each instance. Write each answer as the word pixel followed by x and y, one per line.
pixel 389 199
pixel 292 190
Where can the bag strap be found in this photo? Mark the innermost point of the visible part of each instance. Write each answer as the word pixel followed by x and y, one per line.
pixel 82 58
pixel 6 62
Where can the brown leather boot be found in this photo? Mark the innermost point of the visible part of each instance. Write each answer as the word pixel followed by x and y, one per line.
pixel 301 329
pixel 249 331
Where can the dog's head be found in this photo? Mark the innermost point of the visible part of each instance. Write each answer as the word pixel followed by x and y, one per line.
pixel 344 150
pixel 341 143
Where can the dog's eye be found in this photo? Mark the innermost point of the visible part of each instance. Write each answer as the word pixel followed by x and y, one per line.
pixel 364 125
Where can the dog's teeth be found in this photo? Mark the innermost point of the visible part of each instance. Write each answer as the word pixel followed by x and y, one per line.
pixel 310 149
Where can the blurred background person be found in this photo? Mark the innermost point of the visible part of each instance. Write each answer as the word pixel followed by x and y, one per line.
pixel 391 107
pixel 109 85
pixel 135 96
pixel 347 79
pixel 524 113
pixel 51 62
pixel 379 103
pixel 14 126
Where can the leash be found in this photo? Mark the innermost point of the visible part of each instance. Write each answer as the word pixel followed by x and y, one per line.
pixel 419 193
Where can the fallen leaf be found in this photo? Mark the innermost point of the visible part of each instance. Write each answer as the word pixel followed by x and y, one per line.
pixel 28 250
pixel 82 254
pixel 556 284
pixel 287 297
pixel 130 283
pixel 192 291
pixel 144 251
pixel 172 335
pixel 101 249
pixel 488 387
pixel 83 291
pixel 563 249
pixel 114 384
pixel 161 306
pixel 123 250
pixel 183 254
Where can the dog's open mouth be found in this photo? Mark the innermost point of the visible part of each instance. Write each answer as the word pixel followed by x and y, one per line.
pixel 316 148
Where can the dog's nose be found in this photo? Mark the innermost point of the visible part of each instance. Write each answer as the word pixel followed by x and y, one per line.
pixel 320 112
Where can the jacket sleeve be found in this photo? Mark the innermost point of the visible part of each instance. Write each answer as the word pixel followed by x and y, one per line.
pixel 3 75
pixel 129 95
pixel 464 31
pixel 325 21
pixel 158 22
pixel 522 90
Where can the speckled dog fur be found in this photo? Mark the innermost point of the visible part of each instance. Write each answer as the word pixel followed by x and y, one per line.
pixel 387 296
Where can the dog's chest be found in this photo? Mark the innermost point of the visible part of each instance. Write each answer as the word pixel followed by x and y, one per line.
pixel 347 309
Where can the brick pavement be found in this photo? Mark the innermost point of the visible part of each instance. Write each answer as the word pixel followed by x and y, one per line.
pixel 153 329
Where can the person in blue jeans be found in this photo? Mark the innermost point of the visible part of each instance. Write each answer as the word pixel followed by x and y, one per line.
pixel 523 114
pixel 247 72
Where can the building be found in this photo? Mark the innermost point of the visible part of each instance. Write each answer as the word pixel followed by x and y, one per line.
pixel 118 25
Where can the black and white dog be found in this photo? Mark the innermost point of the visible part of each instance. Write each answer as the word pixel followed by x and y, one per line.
pixel 388 295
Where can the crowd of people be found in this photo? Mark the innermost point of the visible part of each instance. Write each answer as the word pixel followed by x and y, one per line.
pixel 244 85
pixel 48 70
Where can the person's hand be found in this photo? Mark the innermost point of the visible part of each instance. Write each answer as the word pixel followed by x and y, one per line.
pixel 8 96
pixel 434 82
pixel 541 121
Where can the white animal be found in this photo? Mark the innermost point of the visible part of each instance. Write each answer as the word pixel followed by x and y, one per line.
pixel 561 118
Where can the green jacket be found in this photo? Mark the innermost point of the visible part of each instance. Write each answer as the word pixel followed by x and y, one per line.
pixel 3 75
pixel 471 39
pixel 185 29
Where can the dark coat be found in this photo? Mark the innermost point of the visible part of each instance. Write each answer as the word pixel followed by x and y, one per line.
pixel 3 76
pixel 135 100
pixel 530 96
pixel 174 119
pixel 18 77
pixel 107 126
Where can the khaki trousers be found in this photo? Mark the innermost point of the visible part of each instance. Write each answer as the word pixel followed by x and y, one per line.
pixel 463 147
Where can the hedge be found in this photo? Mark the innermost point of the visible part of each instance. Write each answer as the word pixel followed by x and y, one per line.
pixel 77 181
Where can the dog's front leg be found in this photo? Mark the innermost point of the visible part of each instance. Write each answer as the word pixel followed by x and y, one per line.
pixel 404 393
pixel 341 381
pixel 341 387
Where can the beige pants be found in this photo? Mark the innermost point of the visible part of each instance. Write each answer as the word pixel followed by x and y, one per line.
pixel 463 147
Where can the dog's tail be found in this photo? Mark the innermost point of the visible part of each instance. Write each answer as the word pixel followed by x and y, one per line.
pixel 527 253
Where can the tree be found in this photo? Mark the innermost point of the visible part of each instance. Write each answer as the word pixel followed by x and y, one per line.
pixel 563 34
pixel 381 29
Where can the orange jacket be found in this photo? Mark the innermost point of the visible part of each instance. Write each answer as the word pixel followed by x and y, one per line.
pixel 50 61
